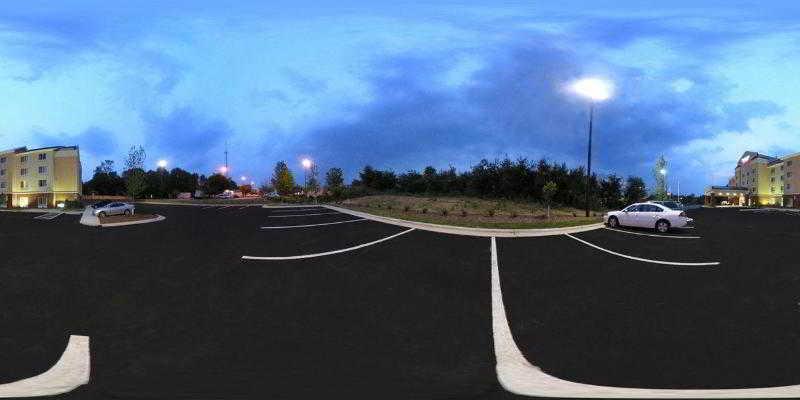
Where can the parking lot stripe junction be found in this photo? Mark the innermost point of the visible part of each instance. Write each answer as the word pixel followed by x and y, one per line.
pixel 519 376
pixel 312 225
pixel 328 253
pixel 302 215
pixel 653 235
pixel 69 372
pixel 682 264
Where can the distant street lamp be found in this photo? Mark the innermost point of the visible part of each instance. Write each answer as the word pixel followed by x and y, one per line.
pixel 162 163
pixel 596 90
pixel 223 170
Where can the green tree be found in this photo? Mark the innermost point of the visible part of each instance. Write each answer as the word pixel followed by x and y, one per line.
pixel 635 190
pixel 660 177
pixel 549 191
pixel 282 179
pixel 611 192
pixel 219 183
pixel 334 178
pixel 334 182
pixel 135 179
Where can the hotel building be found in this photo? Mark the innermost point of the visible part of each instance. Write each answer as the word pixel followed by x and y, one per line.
pixel 39 177
pixel 760 179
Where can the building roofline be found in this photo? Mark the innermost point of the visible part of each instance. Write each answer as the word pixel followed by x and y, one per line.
pixel 55 148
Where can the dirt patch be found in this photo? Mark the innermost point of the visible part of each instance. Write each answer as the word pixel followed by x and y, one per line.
pixel 113 219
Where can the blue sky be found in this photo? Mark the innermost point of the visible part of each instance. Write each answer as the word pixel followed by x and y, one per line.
pixel 402 86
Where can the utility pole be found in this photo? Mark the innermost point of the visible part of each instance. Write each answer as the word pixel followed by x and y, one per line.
pixel 589 160
pixel 226 157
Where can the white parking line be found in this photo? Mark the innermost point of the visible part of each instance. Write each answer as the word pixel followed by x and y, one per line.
pixel 208 208
pixel 682 264
pixel 310 225
pixel 301 215
pixel 327 253
pixel 224 207
pixel 49 216
pixel 69 372
pixel 517 375
pixel 653 235
pixel 300 209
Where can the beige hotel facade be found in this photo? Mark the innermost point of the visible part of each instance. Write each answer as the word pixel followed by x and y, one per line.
pixel 42 178
pixel 760 179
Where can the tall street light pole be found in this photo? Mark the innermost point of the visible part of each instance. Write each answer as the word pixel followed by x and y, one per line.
pixel 589 159
pixel 595 90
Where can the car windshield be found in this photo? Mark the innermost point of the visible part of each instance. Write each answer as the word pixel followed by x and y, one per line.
pixel 101 204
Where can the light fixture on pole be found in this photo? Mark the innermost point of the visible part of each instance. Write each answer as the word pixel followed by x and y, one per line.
pixel 162 170
pixel 596 90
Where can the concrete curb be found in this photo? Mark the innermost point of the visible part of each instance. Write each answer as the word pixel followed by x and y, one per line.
pixel 293 206
pixel 144 221
pixel 164 203
pixel 89 219
pixel 466 231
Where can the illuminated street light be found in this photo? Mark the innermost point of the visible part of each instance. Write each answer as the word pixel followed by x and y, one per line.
pixel 223 170
pixel 243 178
pixel 595 90
pixel 162 163
pixel 306 163
pixel 663 171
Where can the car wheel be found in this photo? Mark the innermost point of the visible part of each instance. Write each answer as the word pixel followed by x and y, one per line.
pixel 101 214
pixel 127 212
pixel 613 222
pixel 662 226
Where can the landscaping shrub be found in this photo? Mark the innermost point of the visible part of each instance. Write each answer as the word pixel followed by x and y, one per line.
pixel 463 213
pixel 490 213
pixel 444 212
pixel 424 210
pixel 406 208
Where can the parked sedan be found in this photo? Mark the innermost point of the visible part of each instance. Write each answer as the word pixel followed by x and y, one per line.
pixel 105 208
pixel 648 215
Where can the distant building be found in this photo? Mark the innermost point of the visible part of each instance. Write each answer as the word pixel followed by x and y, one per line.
pixel 760 180
pixel 39 177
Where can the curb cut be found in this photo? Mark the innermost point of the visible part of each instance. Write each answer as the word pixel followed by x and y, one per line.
pixel 466 231
pixel 144 221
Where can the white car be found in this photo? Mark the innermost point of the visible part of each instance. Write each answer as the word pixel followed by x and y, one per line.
pixel 648 215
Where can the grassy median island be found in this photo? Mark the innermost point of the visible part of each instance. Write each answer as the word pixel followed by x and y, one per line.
pixel 471 212
pixel 113 219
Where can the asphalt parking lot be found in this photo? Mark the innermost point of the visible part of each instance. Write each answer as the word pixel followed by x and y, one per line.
pixel 246 302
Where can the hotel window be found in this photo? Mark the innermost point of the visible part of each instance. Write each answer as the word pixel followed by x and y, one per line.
pixel 42 156
pixel 23 171
pixel 42 170
pixel 2 160
pixel 788 174
pixel 22 184
pixel 788 163
pixel 787 186
pixel 23 159
pixel 42 183
pixel 2 172
pixel 2 185
pixel 772 179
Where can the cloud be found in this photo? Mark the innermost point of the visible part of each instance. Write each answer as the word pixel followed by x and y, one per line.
pixel 93 141
pixel 185 136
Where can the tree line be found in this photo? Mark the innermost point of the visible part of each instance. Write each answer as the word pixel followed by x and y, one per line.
pixel 505 178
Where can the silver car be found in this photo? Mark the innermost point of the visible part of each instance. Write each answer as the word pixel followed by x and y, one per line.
pixel 105 208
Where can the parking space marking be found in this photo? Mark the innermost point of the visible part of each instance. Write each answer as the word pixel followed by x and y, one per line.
pixel 301 215
pixel 49 216
pixel 299 209
pixel 682 264
pixel 224 207
pixel 312 225
pixel 69 372
pixel 208 208
pixel 517 375
pixel 652 234
pixel 328 253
